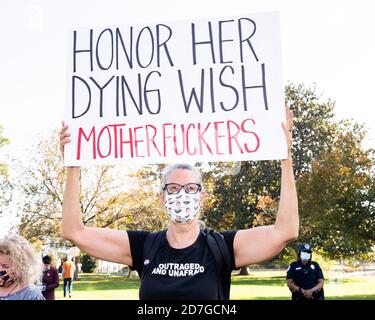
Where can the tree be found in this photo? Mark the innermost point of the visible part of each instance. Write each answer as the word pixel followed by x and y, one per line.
pixel 3 141
pixel 237 195
pixel 88 263
pixel 314 127
pixel 5 185
pixel 335 180
pixel 248 196
pixel 109 197
pixel 337 202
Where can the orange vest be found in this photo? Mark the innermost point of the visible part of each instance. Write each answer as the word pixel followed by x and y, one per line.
pixel 69 269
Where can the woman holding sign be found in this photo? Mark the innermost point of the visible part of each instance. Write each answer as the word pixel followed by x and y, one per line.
pixel 184 261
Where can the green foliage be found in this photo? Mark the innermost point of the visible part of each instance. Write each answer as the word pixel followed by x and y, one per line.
pixel 53 258
pixel 88 263
pixel 3 140
pixel 110 196
pixel 288 255
pixel 337 208
pixel 238 195
pixel 335 182
pixel 5 185
pixel 314 127
pixel 5 194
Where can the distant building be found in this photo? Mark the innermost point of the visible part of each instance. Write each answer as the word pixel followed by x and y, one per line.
pixel 109 267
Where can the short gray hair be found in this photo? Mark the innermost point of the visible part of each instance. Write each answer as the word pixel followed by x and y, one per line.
pixel 180 166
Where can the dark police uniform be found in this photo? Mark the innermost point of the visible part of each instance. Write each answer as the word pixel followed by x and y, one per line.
pixel 306 277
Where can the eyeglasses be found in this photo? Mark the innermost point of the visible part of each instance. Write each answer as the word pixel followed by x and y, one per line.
pixel 174 188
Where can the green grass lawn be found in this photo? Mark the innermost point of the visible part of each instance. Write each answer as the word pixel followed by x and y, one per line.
pixel 260 285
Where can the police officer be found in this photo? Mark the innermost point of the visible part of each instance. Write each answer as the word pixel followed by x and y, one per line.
pixel 305 277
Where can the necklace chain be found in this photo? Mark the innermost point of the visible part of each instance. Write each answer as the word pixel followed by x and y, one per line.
pixel 12 289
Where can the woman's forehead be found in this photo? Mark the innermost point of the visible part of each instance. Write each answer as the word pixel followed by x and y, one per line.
pixel 182 176
pixel 4 259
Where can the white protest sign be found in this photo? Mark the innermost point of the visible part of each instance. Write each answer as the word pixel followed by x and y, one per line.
pixel 196 90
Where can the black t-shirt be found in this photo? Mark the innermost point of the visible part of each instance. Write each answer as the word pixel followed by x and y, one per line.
pixel 179 274
pixel 305 276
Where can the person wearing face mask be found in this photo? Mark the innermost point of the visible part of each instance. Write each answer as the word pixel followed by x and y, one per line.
pixel 20 269
pixel 184 265
pixel 305 277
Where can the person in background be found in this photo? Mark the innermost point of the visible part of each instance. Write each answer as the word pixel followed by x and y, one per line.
pixel 61 262
pixel 68 275
pixel 20 269
pixel 50 279
pixel 305 277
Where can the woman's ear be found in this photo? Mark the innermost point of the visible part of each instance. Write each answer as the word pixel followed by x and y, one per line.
pixel 201 198
pixel 162 197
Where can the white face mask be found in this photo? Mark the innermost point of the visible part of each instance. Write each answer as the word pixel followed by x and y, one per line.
pixel 182 207
pixel 305 256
